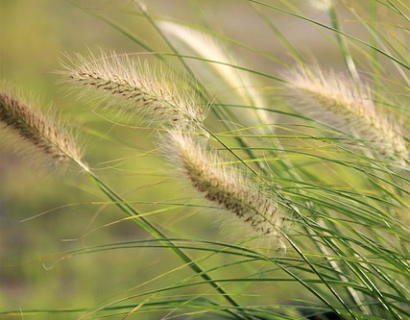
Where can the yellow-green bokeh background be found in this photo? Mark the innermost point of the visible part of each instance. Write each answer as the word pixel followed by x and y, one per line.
pixel 34 36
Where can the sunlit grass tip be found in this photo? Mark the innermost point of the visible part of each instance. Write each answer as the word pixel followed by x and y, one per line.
pixel 43 131
pixel 323 5
pixel 333 98
pixel 135 88
pixel 258 214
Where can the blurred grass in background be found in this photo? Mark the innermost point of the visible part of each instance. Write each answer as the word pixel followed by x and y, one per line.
pixel 66 209
pixel 33 37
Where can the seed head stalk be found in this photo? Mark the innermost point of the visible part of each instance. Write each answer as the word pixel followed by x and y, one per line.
pixel 157 234
pixel 47 135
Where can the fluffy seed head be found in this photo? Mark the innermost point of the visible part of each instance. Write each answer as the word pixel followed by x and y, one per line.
pixel 134 87
pixel 332 98
pixel 193 42
pixel 223 186
pixel 42 131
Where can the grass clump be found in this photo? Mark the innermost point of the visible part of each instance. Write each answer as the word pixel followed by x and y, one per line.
pixel 307 168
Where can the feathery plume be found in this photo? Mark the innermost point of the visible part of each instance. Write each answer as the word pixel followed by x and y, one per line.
pixel 133 86
pixel 333 99
pixel 42 131
pixel 222 185
pixel 193 41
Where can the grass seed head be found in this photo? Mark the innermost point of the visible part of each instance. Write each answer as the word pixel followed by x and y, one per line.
pixel 135 88
pixel 332 98
pixel 223 186
pixel 219 62
pixel 44 132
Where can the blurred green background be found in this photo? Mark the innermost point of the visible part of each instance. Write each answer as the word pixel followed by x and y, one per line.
pixel 45 213
pixel 34 35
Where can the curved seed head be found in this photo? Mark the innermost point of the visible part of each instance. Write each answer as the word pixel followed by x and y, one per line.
pixel 135 88
pixel 332 98
pixel 44 132
pixel 223 186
